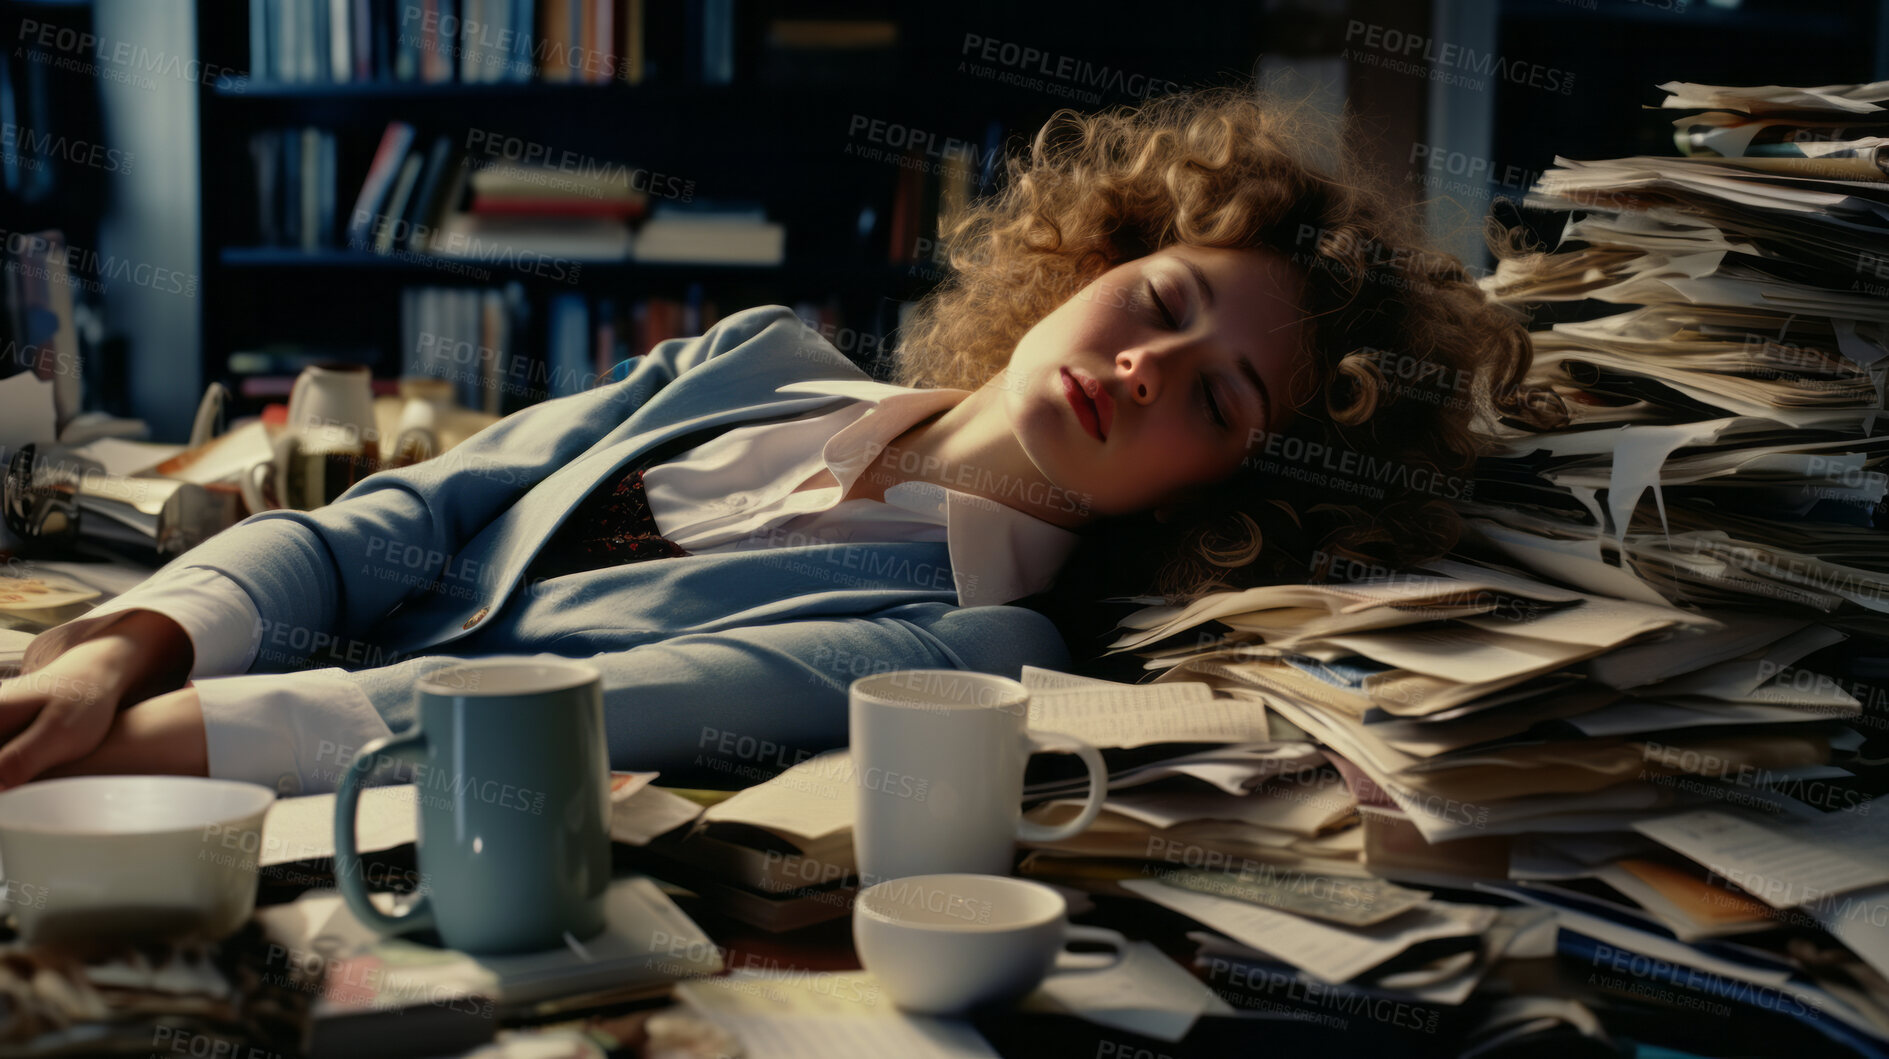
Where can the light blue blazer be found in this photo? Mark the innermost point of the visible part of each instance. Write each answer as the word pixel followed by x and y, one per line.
pixel 430 560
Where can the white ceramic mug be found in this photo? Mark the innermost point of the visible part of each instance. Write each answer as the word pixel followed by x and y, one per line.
pixel 331 415
pixel 331 408
pixel 938 758
pixel 944 944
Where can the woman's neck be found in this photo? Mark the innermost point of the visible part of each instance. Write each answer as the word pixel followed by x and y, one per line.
pixel 970 448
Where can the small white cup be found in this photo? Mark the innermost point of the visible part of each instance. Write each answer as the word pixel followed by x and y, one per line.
pixel 945 944
pixel 938 756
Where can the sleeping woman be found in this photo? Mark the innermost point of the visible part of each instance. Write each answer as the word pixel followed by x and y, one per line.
pixel 1175 352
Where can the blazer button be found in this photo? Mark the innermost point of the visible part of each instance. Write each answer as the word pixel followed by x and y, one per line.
pixel 476 618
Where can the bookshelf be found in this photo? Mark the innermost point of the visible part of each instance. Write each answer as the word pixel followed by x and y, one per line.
pixel 770 128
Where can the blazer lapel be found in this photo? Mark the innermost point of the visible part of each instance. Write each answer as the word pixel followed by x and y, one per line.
pixel 722 393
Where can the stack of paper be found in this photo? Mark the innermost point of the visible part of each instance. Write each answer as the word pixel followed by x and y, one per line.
pixel 1190 769
pixel 1501 704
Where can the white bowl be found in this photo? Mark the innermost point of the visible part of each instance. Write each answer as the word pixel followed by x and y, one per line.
pixel 102 858
pixel 944 944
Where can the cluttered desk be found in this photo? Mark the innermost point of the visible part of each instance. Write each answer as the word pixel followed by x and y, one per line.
pixel 1599 783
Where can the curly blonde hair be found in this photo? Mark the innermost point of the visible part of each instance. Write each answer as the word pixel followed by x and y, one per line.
pixel 1388 324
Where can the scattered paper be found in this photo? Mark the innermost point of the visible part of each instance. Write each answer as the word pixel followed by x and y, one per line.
pixel 1145 993
pixel 819 1015
pixel 1037 679
pixel 640 812
pixel 1130 715
pixel 124 458
pixel 303 828
pixel 1303 809
pixel 809 801
pixel 1784 864
pixel 1335 954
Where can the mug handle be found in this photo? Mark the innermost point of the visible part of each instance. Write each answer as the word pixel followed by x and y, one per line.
pixel 209 414
pixel 275 471
pixel 253 497
pixel 348 876
pixel 1030 831
pixel 1091 961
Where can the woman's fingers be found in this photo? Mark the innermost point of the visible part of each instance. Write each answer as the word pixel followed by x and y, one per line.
pixel 20 702
pixel 22 698
pixel 58 733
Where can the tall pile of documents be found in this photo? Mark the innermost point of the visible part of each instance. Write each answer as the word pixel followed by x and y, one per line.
pixel 1637 698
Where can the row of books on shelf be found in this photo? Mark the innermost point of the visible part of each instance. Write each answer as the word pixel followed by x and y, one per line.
pixel 433 196
pixel 490 41
pixel 487 342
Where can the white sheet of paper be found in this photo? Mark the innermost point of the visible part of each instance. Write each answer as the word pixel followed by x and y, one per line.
pixel 225 457
pixel 1132 715
pixel 1785 864
pixel 1037 679
pixel 648 812
pixel 811 800
pixel 1146 993
pixel 800 1015
pixel 1466 655
pixel 826 1036
pixel 304 828
pixel 1737 679
pixel 1336 954
pixel 1303 810
pixel 1233 769
pixel 125 458
pixel 1638 453
pixel 1599 622
pixel 1853 920
pixel 1691 649
pixel 1578 562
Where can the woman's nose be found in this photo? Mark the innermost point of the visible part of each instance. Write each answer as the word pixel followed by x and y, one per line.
pixel 1140 373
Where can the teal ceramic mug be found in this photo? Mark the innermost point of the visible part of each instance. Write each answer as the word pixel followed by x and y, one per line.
pixel 512 776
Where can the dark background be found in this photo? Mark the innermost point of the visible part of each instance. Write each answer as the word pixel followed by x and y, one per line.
pixel 779 134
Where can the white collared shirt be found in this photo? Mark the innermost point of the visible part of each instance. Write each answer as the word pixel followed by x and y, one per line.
pixel 738 491
pixel 734 492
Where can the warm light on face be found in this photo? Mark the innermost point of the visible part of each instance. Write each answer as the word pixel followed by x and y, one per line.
pixel 1153 378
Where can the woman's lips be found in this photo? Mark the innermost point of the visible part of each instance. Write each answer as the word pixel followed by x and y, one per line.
pixel 1088 413
pixel 1104 404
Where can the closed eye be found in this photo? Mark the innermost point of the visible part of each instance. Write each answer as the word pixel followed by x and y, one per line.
pixel 1160 308
pixel 1214 414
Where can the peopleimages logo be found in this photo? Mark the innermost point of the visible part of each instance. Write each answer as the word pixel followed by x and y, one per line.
pixel 1333 467
pixel 1404 49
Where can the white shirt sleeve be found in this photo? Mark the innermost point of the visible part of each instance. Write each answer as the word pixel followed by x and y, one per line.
pixel 219 617
pixel 293 732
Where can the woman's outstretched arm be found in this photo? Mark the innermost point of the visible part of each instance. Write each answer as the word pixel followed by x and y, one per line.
pixel 711 709
pixel 311 572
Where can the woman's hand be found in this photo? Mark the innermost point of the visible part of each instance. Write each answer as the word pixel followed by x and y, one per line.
pixel 61 710
pixel 159 736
